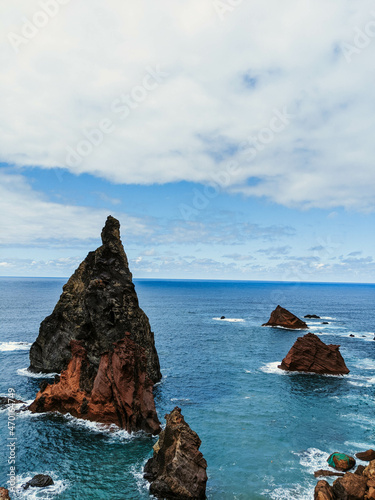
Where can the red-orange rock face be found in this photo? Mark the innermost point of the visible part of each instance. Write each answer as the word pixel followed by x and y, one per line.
pixel 310 354
pixel 120 392
pixel 284 318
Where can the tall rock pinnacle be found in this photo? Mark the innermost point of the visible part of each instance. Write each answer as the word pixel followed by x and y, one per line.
pixel 98 305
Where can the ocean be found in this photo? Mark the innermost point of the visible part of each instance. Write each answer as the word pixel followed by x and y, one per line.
pixel 263 431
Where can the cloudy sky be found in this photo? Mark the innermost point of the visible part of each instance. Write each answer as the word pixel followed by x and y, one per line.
pixel 233 139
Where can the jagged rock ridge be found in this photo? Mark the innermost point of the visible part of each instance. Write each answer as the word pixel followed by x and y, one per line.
pixel 98 305
pixel 102 342
pixel 177 469
pixel 310 354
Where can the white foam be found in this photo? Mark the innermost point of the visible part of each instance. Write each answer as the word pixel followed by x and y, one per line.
pixel 284 328
pixel 313 459
pixel 230 320
pixel 366 364
pixel 328 317
pixel 14 346
pixel 295 492
pixel 24 372
pixel 180 399
pixel 46 493
pixel 273 368
pixel 143 485
pixel 111 431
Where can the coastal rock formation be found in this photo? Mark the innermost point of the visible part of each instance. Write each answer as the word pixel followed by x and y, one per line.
pixel 5 401
pixel 284 318
pixel 107 374
pixel 4 494
pixel 118 392
pixel 367 456
pixel 351 486
pixel 357 486
pixel 98 305
pixel 310 354
pixel 326 473
pixel 39 481
pixel 340 461
pixel 323 491
pixel 312 316
pixel 177 469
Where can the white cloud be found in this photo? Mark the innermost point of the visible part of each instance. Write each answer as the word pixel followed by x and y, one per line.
pixel 66 77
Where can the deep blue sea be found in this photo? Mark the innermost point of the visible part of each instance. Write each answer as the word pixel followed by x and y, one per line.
pixel 263 431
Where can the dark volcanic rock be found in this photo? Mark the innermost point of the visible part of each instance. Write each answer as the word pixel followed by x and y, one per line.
pixel 310 354
pixel 121 391
pixel 323 473
pixel 39 481
pixel 284 318
pixel 9 401
pixel 177 469
pixel 4 494
pixel 312 316
pixel 323 491
pixel 350 487
pixel 340 461
pixel 98 305
pixel 366 455
pixel 223 317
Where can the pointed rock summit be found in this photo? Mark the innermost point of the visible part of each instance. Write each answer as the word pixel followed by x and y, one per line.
pixel 282 317
pixel 98 305
pixel 310 354
pixel 177 470
pixel 101 341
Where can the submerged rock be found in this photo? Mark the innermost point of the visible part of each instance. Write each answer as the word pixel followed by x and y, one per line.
pixel 323 491
pixel 177 469
pixel 310 354
pixel 120 392
pixel 340 461
pixel 4 494
pixel 282 317
pixel 98 305
pixel 107 374
pixel 367 456
pixel 39 481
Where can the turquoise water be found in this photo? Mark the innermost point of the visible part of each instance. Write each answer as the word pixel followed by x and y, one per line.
pixel 263 431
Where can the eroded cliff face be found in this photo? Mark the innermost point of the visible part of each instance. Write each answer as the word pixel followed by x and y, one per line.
pixel 177 470
pixel 310 354
pixel 118 392
pixel 98 305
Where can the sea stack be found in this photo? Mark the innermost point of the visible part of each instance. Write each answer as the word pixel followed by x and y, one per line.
pixel 101 341
pixel 98 305
pixel 310 354
pixel 177 469
pixel 283 318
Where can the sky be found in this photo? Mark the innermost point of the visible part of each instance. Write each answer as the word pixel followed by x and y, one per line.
pixel 232 139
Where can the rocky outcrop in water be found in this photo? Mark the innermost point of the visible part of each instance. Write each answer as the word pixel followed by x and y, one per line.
pixel 341 461
pixel 98 305
pixel 177 469
pixel 367 456
pixel 4 494
pixel 39 481
pixel 323 491
pixel 310 354
pixel 107 373
pixel 359 485
pixel 282 317
pixel 120 392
